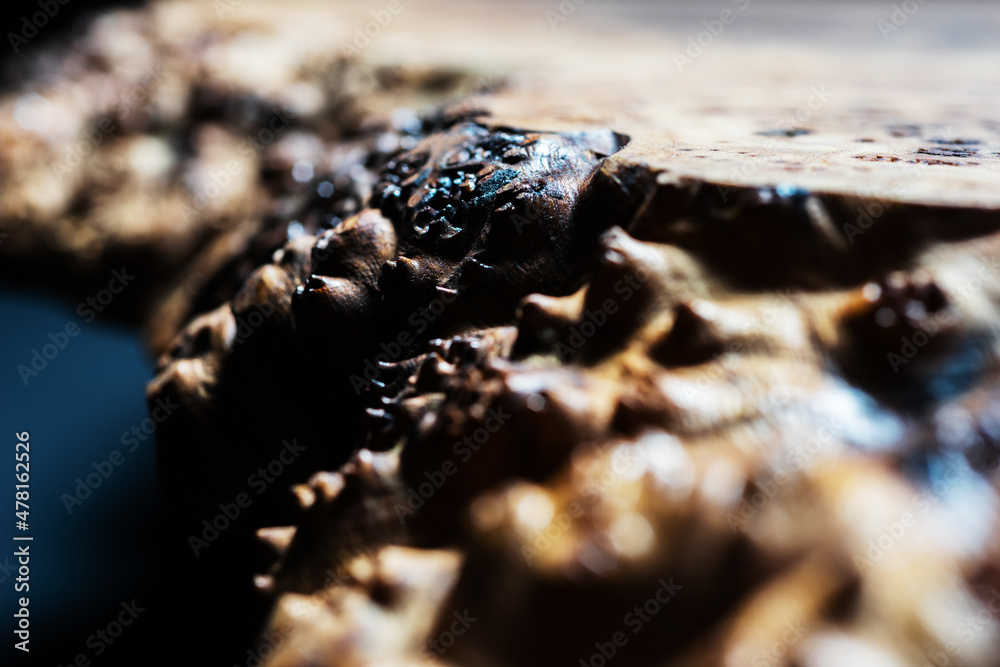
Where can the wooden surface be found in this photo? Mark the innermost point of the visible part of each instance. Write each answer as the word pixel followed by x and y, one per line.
pixel 746 171
pixel 813 96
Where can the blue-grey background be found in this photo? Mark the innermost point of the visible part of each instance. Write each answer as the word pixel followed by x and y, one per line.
pixel 112 548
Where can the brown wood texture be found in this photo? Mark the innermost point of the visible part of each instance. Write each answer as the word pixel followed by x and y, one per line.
pixel 869 105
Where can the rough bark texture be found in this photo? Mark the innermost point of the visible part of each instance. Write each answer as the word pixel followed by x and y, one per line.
pixel 573 332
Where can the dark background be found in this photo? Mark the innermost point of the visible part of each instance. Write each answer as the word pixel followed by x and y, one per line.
pixel 71 16
pixel 121 544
